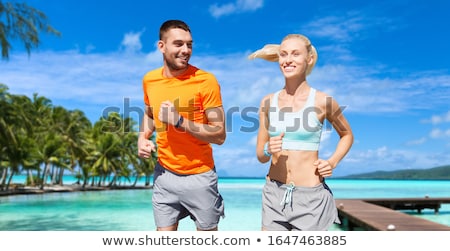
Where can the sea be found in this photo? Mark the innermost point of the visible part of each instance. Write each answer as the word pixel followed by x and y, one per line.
pixel 131 210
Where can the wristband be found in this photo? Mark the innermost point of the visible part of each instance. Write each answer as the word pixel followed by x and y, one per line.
pixel 266 152
pixel 180 121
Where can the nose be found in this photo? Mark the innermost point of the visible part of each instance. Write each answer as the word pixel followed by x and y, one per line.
pixel 289 58
pixel 285 59
pixel 185 48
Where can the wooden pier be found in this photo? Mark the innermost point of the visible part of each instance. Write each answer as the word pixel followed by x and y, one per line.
pixel 380 214
pixel 411 203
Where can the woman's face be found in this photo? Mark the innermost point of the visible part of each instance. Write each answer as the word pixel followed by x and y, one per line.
pixel 294 57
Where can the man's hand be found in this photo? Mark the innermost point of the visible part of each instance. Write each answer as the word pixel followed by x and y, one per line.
pixel 145 148
pixel 168 114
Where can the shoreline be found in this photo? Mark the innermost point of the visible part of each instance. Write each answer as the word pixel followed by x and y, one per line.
pixel 30 190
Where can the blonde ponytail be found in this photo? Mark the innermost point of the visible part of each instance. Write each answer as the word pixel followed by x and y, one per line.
pixel 270 52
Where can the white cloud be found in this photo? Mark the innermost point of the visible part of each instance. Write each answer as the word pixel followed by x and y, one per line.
pixel 439 133
pixel 252 141
pixel 385 158
pixel 346 27
pixel 132 42
pixel 84 81
pixel 218 11
pixel 416 142
pixel 361 88
pixel 438 119
pixel 239 6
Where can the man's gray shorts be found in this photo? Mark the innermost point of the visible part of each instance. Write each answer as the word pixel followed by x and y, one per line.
pixel 308 209
pixel 177 196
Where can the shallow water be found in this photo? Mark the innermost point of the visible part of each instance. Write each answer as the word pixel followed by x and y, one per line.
pixel 131 210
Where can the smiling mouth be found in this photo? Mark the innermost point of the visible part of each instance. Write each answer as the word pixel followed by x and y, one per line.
pixel 289 68
pixel 184 59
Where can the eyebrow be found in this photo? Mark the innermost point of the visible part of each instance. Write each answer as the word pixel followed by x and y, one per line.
pixel 182 41
pixel 295 50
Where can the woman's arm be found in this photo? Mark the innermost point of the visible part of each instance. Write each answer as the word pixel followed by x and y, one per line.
pixel 343 129
pixel 263 135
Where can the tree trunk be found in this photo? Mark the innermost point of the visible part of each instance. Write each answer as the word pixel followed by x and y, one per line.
pixel 61 177
pixel 30 177
pixel 9 180
pixel 147 179
pixel 3 179
pixel 44 175
pixel 54 174
pixel 135 181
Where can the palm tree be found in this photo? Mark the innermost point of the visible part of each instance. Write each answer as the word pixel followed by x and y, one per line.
pixel 50 154
pixel 145 167
pixel 116 150
pixel 75 129
pixel 23 22
pixel 36 118
pixel 128 147
pixel 38 138
pixel 20 150
pixel 5 130
pixel 107 156
pixel 108 152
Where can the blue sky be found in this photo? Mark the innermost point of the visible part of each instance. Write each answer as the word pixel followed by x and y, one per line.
pixel 385 61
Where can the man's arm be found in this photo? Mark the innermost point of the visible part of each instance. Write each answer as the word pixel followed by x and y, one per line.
pixel 212 132
pixel 145 145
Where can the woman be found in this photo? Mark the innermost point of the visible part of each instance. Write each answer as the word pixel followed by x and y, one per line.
pixel 295 196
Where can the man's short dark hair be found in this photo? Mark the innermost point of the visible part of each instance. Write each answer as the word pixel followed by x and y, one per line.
pixel 172 24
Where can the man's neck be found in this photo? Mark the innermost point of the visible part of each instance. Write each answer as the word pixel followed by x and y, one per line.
pixel 168 73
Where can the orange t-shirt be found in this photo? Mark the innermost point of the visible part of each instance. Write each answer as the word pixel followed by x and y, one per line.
pixel 192 93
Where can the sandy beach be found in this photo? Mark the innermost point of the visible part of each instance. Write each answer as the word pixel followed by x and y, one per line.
pixel 27 190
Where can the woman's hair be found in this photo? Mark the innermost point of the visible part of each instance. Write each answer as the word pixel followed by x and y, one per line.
pixel 271 52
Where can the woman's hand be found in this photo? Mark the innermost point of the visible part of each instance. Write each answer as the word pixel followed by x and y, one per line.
pixel 275 144
pixel 324 167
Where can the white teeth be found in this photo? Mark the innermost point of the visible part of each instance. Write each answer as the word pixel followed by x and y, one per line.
pixel 289 68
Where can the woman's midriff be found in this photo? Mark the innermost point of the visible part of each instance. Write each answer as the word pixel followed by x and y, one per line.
pixel 296 167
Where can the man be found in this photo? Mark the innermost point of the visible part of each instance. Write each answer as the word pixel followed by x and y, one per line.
pixel 184 108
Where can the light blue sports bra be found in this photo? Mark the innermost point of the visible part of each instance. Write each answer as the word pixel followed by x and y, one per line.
pixel 302 129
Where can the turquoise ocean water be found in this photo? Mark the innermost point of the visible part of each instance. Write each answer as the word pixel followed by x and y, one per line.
pixel 130 210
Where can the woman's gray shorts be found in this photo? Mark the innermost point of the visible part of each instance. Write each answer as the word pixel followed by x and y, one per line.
pixel 286 207
pixel 177 196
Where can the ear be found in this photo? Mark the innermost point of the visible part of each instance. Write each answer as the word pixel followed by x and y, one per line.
pixel 161 45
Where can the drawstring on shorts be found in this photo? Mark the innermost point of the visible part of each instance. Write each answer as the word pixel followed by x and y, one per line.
pixel 287 197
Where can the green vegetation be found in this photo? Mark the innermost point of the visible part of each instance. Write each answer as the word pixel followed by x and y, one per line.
pixel 23 22
pixel 46 142
pixel 436 173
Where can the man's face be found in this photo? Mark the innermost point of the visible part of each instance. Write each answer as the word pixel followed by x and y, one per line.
pixel 176 47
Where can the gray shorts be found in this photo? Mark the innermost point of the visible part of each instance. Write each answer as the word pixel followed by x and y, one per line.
pixel 177 196
pixel 297 208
